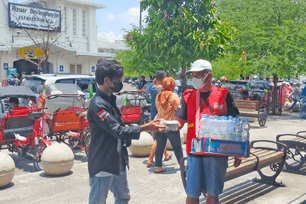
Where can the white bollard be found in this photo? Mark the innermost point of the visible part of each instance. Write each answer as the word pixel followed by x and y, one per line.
pixel 57 159
pixel 7 169
pixel 142 147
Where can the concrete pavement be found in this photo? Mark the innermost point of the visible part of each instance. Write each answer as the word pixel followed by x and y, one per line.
pixel 30 187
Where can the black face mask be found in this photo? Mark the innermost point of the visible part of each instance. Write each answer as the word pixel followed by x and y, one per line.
pixel 118 87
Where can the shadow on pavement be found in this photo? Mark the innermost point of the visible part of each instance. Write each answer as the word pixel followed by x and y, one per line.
pixel 169 170
pixel 303 202
pixel 43 174
pixel 23 163
pixel 302 171
pixel 285 116
pixel 243 192
pixel 79 154
pixel 11 184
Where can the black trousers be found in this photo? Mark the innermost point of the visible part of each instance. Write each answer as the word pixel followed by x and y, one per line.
pixel 161 139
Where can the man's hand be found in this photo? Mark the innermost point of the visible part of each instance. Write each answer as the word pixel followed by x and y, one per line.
pixel 237 161
pixel 153 126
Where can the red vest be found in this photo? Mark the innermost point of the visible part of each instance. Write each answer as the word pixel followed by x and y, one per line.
pixel 216 100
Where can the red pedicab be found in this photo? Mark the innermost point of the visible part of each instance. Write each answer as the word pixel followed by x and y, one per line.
pixel 66 116
pixel 20 128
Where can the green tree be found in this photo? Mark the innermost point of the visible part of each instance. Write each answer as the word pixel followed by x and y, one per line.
pixel 177 34
pixel 271 33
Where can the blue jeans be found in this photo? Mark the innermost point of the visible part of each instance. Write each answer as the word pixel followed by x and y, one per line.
pixel 118 185
pixel 205 174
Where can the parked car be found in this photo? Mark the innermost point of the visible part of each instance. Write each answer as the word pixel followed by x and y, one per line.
pixel 82 80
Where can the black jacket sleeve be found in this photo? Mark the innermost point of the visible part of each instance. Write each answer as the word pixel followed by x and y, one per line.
pixel 111 125
pixel 231 107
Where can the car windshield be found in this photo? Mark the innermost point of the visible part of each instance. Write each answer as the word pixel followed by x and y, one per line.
pixel 84 83
pixel 33 84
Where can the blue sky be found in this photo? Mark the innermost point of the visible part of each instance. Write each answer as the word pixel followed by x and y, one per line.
pixel 118 15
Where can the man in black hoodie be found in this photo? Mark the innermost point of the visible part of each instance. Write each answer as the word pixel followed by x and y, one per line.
pixel 108 157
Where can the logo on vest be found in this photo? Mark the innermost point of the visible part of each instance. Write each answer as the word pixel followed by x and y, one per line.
pixel 218 106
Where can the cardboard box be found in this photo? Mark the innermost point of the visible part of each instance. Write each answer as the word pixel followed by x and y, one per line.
pixel 217 147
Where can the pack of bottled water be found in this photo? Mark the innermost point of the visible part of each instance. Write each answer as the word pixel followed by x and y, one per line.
pixel 303 107
pixel 224 128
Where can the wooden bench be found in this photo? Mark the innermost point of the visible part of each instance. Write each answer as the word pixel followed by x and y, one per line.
pixel 251 109
pixel 296 155
pixel 259 158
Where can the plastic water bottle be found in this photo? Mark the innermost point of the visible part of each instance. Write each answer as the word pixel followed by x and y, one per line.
pixel 207 126
pixel 245 130
pixel 201 124
pixel 237 129
pixel 240 127
pixel 230 128
pixel 222 128
pixel 214 127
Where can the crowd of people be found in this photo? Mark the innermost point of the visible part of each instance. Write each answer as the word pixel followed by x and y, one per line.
pixel 108 157
pixel 17 79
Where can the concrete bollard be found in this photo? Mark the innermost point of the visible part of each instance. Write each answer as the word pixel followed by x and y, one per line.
pixel 57 159
pixel 7 169
pixel 142 147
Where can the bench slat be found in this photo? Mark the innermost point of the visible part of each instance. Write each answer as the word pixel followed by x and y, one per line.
pixel 250 114
pixel 258 154
pixel 252 150
pixel 270 159
pixel 299 139
pixel 244 168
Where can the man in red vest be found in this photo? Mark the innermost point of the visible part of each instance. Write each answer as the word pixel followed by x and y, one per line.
pixel 204 173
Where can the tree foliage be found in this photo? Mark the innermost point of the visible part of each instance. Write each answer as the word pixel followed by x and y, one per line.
pixel 272 34
pixel 177 34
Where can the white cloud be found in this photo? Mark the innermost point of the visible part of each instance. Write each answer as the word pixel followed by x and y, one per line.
pixel 110 36
pixel 110 16
pixel 132 15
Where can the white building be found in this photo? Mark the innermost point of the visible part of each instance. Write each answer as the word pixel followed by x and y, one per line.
pixel 75 50
pixel 104 46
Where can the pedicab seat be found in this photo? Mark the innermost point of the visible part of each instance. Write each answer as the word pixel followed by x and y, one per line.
pixel 18 125
pixel 66 120
pixel 35 115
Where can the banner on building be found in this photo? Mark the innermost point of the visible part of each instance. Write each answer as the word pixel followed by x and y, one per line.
pixel 24 16
pixel 31 53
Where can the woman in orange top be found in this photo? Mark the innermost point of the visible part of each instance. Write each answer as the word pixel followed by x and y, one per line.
pixel 167 103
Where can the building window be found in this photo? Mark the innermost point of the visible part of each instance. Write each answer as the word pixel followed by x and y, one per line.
pixel 74 22
pixel 83 24
pixel 79 69
pixel 72 69
pixel 75 69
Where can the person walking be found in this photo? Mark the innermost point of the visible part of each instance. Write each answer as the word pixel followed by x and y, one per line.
pixel 167 103
pixel 108 157
pixel 295 94
pixel 159 76
pixel 204 173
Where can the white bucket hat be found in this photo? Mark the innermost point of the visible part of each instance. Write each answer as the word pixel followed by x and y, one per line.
pixel 200 65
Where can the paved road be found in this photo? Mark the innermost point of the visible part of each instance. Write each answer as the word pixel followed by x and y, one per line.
pixel 31 187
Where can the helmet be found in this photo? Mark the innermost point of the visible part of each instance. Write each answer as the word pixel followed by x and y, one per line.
pixel 223 79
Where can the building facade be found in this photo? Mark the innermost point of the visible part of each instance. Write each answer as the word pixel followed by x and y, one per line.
pixel 74 49
pixel 106 47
